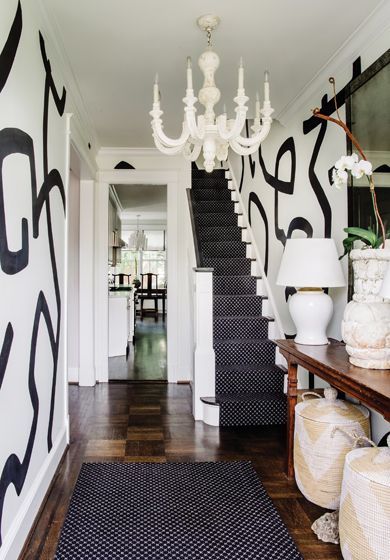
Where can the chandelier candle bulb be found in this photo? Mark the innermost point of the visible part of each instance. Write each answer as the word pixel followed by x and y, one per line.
pixel 257 106
pixel 156 94
pixel 241 75
pixel 189 73
pixel 266 86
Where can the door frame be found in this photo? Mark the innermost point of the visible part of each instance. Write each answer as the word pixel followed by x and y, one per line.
pixel 170 178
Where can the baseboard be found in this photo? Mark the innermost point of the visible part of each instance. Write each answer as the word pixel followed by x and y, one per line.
pixel 73 375
pixel 14 540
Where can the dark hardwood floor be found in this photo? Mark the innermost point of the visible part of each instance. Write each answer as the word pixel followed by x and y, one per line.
pixel 153 422
pixel 147 359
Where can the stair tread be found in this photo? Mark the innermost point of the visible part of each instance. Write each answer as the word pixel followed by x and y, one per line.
pixel 245 340
pixel 247 317
pixel 235 296
pixel 245 397
pixel 249 367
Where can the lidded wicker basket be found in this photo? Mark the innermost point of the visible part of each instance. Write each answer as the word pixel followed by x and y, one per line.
pixel 325 431
pixel 365 504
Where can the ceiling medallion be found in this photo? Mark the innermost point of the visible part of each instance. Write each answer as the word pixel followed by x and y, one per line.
pixel 212 133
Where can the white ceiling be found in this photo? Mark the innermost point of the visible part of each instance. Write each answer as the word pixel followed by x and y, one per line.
pixel 147 201
pixel 115 48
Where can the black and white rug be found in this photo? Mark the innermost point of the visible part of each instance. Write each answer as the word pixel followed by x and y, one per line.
pixel 172 511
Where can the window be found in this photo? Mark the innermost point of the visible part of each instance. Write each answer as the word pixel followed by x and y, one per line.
pixel 141 262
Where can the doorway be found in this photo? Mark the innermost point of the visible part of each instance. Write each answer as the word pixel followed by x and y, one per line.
pixel 138 278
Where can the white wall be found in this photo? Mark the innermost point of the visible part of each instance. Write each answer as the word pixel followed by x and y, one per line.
pixel 34 427
pixel 33 404
pixel 301 200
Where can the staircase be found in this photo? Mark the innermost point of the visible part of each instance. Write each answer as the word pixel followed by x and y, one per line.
pixel 248 384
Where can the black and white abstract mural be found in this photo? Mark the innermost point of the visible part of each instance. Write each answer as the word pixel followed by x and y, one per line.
pixel 32 240
pixel 287 189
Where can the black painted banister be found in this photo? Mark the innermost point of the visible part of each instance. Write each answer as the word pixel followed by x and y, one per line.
pixel 195 235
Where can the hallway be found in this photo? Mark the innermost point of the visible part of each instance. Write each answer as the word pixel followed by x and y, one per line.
pixel 153 423
pixel 147 360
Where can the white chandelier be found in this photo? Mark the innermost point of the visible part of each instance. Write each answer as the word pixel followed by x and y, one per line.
pixel 213 134
pixel 138 240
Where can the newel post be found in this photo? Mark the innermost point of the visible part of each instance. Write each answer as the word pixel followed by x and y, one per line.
pixel 204 366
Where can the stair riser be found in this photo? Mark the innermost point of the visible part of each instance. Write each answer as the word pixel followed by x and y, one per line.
pixel 235 285
pixel 202 174
pixel 224 249
pixel 217 219
pixel 230 383
pixel 209 183
pixel 228 306
pixel 221 233
pixel 234 354
pixel 229 267
pixel 240 328
pixel 214 206
pixel 211 194
pixel 253 414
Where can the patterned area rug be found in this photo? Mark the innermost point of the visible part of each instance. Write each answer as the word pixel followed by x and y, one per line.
pixel 169 511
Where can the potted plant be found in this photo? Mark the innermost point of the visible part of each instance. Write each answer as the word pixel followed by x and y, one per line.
pixel 366 322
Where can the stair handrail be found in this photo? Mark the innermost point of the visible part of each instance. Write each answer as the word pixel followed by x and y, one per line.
pixel 195 233
pixel 203 382
pixel 257 253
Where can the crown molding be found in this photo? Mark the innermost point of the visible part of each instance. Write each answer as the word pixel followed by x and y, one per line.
pixel 375 25
pixel 130 152
pixel 52 31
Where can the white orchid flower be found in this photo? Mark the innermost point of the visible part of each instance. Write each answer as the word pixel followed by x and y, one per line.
pixel 361 168
pixel 339 178
pixel 346 162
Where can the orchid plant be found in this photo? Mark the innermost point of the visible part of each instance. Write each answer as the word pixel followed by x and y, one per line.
pixel 358 168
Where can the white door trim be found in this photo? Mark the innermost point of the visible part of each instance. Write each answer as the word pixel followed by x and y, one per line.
pixel 128 177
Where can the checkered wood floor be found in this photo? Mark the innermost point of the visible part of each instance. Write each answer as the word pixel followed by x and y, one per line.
pixel 153 423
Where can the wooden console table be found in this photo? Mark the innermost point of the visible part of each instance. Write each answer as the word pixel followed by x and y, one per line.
pixel 330 362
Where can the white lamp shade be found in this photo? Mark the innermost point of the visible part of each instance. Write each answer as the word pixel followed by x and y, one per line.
pixel 385 288
pixel 310 263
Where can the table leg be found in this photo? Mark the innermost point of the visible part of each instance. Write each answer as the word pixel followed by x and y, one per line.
pixel 292 378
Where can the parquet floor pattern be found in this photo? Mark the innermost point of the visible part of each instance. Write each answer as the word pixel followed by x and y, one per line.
pixel 153 422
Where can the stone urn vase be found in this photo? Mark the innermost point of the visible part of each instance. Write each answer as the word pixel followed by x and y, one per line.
pixel 366 322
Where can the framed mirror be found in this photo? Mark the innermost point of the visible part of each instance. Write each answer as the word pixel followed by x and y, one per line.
pixel 368 117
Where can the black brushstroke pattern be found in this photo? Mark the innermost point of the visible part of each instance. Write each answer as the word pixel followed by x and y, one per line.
pixel 328 107
pixel 51 178
pixel 314 181
pixel 124 165
pixel 5 351
pixel 8 53
pixel 16 141
pixel 287 187
pixel 15 471
pixel 254 199
pixel 384 168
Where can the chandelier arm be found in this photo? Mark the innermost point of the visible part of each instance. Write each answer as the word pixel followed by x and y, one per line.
pixel 256 138
pixel 227 134
pixel 190 119
pixel 170 142
pixel 243 150
pixel 192 154
pixel 167 150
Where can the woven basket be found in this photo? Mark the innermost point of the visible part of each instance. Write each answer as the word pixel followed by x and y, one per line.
pixel 326 429
pixel 365 505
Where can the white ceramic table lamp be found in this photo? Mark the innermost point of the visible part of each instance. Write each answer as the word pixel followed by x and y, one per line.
pixel 310 265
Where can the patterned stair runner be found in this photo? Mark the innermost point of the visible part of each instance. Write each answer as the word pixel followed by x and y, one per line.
pixel 248 384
